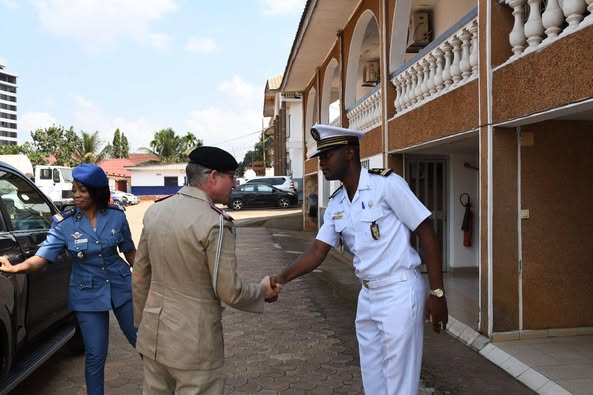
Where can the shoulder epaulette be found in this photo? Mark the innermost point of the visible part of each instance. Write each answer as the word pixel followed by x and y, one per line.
pixel 162 198
pixel 219 211
pixel 336 191
pixel 115 207
pixel 381 172
pixel 59 217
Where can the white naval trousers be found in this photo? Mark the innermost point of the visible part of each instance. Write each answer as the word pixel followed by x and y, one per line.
pixel 390 329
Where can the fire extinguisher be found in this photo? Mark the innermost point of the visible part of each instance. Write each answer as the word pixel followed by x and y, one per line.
pixel 468 219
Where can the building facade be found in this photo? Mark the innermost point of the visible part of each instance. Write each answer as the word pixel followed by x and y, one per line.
pixel 8 105
pixel 490 100
pixel 285 110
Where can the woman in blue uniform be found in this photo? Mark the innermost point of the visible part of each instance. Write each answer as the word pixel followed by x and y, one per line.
pixel 100 280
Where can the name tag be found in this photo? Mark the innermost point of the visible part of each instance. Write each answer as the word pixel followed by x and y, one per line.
pixel 80 241
pixel 338 215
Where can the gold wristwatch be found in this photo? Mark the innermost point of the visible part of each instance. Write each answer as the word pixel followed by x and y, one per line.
pixel 439 293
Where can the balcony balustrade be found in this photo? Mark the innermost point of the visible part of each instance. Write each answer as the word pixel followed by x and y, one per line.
pixel 366 115
pixel 447 63
pixel 546 22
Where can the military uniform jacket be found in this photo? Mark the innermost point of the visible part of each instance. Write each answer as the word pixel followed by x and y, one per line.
pixel 99 275
pixel 175 307
pixel 385 203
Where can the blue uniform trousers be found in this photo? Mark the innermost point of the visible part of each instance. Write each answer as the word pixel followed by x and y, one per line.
pixel 94 327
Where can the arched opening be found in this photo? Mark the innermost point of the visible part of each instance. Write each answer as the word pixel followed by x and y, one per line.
pixel 362 74
pixel 310 119
pixel 330 101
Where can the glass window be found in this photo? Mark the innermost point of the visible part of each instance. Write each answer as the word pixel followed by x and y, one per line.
pixel 171 181
pixel 25 207
pixel 45 174
pixel 264 188
pixel 248 188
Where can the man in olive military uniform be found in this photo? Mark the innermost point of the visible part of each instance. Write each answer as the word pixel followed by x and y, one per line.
pixel 185 266
pixel 373 213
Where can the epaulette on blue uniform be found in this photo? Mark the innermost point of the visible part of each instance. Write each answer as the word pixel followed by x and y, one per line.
pixel 59 217
pixel 381 172
pixel 336 191
pixel 219 211
pixel 115 207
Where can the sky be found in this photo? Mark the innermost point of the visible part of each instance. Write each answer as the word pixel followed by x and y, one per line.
pixel 143 65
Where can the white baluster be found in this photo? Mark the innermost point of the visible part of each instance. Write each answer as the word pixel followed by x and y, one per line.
pixel 534 30
pixel 413 84
pixel 455 70
pixel 398 93
pixel 426 73
pixel 517 35
pixel 447 68
pixel 573 10
pixel 552 19
pixel 432 67
pixel 404 81
pixel 473 58
pixel 419 82
pixel 464 66
pixel 409 85
pixel 438 77
pixel 589 19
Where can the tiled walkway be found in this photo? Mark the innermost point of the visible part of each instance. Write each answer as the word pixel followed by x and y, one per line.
pixel 559 363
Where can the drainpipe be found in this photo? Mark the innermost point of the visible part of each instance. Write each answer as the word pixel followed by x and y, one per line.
pixel 385 78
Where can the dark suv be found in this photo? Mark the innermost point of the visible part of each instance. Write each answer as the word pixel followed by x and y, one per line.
pixel 284 183
pixel 35 321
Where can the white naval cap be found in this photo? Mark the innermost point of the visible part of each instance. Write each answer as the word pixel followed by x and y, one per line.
pixel 329 137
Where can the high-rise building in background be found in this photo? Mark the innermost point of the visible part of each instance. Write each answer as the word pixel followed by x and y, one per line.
pixel 8 119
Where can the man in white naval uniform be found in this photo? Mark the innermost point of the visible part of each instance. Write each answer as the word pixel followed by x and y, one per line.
pixel 374 213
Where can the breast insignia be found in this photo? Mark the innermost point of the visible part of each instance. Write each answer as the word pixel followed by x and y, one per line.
pixel 380 172
pixel 219 211
pixel 59 217
pixel 336 191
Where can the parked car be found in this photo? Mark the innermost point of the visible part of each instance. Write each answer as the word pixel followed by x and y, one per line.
pixel 119 196
pixel 259 195
pixel 129 198
pixel 281 182
pixel 35 321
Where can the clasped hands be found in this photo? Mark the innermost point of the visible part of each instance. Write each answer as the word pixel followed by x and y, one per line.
pixel 273 289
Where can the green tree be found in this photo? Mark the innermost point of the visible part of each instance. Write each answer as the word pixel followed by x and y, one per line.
pixel 88 147
pixel 171 148
pixel 57 141
pixel 125 147
pixel 116 143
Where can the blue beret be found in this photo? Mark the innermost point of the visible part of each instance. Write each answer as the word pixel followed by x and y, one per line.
pixel 213 158
pixel 329 137
pixel 90 175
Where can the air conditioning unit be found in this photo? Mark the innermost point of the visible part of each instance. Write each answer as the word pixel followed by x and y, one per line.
pixel 370 74
pixel 419 30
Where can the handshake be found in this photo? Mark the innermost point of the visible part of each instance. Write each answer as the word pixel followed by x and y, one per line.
pixel 273 288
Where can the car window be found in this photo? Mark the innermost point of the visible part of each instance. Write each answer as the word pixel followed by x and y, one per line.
pixel 264 188
pixel 25 207
pixel 248 188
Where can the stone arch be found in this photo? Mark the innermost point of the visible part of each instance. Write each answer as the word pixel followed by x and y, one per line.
pixel 364 48
pixel 331 92
pixel 310 118
pixel 399 34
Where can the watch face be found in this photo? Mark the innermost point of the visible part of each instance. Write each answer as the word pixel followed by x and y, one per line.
pixel 437 292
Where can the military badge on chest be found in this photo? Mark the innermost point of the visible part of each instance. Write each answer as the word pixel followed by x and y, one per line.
pixel 80 243
pixel 375 230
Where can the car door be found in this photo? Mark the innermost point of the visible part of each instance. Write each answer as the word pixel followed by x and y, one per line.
pixel 249 194
pixel 267 195
pixel 28 216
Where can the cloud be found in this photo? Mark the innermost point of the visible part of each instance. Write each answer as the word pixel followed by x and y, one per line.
pixel 90 117
pixel 200 45
pixel 276 7
pixel 12 4
pixel 99 24
pixel 235 127
pixel 31 121
pixel 159 41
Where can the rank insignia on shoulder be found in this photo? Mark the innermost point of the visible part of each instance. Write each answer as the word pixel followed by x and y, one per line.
pixel 59 217
pixel 219 211
pixel 380 172
pixel 336 191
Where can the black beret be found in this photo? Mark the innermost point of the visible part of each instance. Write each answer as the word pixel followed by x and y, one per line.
pixel 90 175
pixel 213 158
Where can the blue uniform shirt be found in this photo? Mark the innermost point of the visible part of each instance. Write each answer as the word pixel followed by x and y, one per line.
pixel 387 202
pixel 100 277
